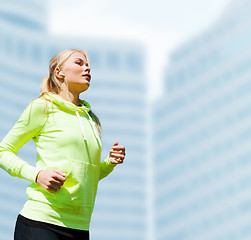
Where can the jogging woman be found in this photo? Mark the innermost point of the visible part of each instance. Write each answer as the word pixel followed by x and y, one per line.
pixel 66 133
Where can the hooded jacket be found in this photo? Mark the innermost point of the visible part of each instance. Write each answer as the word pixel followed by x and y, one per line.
pixel 66 138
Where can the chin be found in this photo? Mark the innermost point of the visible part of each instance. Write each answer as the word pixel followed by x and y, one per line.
pixel 84 88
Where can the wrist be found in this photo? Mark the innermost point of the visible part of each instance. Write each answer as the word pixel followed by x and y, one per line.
pixel 37 175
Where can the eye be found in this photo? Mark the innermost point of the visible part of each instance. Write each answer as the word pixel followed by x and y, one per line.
pixel 79 63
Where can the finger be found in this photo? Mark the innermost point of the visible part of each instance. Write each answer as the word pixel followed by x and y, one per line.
pixel 56 185
pixel 116 161
pixel 120 156
pixel 122 148
pixel 56 182
pixel 112 160
pixel 59 178
pixel 52 189
pixel 118 146
pixel 59 172
pixel 119 160
pixel 118 151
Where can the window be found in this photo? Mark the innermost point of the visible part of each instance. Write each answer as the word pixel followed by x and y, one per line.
pixel 113 60
pixel 8 44
pixel 36 52
pixel 94 59
pixel 134 62
pixel 21 48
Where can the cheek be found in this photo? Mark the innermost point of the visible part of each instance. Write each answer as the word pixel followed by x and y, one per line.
pixel 74 71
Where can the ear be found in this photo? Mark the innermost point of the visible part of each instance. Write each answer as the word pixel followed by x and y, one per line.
pixel 58 73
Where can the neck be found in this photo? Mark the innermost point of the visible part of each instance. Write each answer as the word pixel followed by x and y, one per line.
pixel 69 96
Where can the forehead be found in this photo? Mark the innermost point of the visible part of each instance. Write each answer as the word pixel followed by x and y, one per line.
pixel 77 55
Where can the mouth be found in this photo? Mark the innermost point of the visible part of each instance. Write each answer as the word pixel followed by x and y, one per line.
pixel 88 76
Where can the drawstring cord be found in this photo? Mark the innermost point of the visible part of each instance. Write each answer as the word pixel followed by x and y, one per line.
pixel 83 132
pixel 85 139
pixel 81 126
pixel 94 129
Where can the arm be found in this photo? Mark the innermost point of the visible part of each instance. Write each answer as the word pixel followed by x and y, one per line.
pixel 106 168
pixel 116 156
pixel 28 126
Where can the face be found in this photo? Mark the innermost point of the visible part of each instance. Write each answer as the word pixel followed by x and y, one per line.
pixel 77 72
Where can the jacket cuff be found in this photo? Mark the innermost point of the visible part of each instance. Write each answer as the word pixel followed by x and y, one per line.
pixel 108 165
pixel 29 172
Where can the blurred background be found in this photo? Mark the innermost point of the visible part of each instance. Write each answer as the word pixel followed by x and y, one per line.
pixel 171 82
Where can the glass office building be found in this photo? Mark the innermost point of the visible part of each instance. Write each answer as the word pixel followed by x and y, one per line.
pixel 117 95
pixel 202 135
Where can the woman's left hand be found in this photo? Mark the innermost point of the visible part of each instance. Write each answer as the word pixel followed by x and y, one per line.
pixel 117 154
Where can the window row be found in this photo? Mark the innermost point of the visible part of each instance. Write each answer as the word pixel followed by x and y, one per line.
pixel 40 52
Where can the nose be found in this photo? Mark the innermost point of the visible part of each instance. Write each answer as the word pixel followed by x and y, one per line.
pixel 87 69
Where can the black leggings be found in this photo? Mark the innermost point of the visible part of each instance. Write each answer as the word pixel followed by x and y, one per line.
pixel 27 232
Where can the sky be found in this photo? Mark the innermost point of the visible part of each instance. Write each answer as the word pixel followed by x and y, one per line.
pixel 161 25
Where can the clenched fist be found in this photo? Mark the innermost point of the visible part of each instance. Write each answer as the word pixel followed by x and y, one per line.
pixel 51 179
pixel 117 154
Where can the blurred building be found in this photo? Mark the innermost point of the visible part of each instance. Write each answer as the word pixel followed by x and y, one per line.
pixel 117 95
pixel 202 135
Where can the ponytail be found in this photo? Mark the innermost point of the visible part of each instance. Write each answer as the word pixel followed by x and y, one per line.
pixel 44 85
pixel 97 122
pixel 50 84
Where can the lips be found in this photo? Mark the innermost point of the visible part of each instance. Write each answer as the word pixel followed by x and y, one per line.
pixel 87 76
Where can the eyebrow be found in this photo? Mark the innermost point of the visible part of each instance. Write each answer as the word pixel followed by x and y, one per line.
pixel 78 58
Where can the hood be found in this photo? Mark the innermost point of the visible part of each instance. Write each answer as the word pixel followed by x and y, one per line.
pixel 69 106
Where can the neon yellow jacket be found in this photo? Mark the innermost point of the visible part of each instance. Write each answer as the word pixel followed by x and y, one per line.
pixel 66 138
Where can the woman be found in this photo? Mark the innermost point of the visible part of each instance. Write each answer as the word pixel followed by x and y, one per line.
pixel 67 137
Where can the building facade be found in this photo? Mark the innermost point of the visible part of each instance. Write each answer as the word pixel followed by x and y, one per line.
pixel 202 135
pixel 117 95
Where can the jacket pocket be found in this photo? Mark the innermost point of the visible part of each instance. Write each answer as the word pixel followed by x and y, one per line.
pixel 80 187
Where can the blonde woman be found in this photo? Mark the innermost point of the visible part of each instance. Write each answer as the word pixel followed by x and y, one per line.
pixel 66 133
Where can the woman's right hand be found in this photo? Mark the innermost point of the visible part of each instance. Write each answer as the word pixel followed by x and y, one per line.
pixel 51 179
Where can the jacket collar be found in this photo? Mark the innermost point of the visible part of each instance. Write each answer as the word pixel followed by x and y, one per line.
pixel 68 106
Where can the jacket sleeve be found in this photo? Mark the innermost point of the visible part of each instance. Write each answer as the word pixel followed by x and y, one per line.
pixel 28 126
pixel 106 168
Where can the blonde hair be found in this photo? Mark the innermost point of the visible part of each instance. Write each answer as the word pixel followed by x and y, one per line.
pixel 51 83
